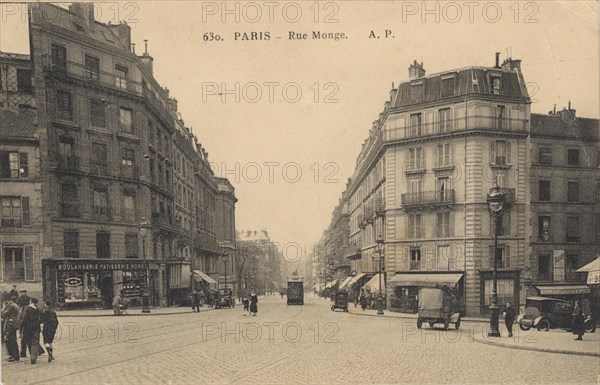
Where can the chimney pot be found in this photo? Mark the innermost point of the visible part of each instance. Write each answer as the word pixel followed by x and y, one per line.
pixel 497 59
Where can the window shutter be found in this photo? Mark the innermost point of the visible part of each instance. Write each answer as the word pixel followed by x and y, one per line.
pixel 492 151
pixel 507 255
pixel 5 164
pixel 25 210
pixel 508 151
pixel 29 264
pixel 491 257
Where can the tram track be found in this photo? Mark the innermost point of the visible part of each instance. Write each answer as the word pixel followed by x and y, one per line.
pixel 183 327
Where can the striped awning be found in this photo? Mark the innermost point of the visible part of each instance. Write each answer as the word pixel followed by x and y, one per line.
pixel 200 276
pixel 345 282
pixel 331 284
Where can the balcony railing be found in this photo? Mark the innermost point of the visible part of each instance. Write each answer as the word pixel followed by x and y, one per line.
pixel 130 171
pixel 82 72
pixel 68 162
pixel 415 165
pixel 103 213
pixel 70 210
pixel 99 168
pixel 128 215
pixel 161 219
pixel 428 197
pixel 415 265
pixel 454 125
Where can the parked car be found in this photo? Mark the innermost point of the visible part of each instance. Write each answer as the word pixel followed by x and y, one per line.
pixel 550 313
pixel 224 299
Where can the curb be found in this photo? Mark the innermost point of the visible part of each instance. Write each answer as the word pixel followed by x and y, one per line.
pixel 531 348
pixel 467 319
pixel 129 315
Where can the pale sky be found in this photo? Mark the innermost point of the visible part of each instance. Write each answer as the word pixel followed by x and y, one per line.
pixel 558 46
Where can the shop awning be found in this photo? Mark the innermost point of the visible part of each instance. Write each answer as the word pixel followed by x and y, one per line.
pixel 356 278
pixel 425 280
pixel 593 270
pixel 331 284
pixel 345 282
pixel 200 276
pixel 563 289
pixel 373 284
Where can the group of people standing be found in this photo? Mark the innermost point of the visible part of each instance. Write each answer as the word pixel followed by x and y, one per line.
pixel 21 313
pixel 250 303
pixel 366 299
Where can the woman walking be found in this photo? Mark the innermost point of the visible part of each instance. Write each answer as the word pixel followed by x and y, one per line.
pixel 253 303
pixel 50 321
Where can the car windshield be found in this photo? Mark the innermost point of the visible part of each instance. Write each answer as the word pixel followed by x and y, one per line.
pixel 541 306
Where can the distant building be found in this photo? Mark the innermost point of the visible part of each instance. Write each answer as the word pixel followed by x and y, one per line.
pixel 258 261
pixel 225 230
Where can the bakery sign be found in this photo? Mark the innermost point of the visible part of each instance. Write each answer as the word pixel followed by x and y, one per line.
pixel 558 257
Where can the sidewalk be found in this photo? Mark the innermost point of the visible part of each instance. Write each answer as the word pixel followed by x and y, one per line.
pixel 553 341
pixel 136 311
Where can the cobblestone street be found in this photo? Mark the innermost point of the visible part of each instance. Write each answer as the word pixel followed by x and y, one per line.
pixel 285 344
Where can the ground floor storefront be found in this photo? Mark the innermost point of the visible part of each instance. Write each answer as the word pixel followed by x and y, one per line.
pixel 81 283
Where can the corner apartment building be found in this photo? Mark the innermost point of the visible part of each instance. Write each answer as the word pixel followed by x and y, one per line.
pixel 422 178
pixel 21 221
pixel 225 231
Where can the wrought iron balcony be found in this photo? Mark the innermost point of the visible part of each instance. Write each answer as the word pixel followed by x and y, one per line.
pixel 130 171
pixel 436 197
pixel 103 213
pixel 68 162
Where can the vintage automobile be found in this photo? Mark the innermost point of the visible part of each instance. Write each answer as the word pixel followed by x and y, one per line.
pixel 437 305
pixel 550 313
pixel 340 300
pixel 224 299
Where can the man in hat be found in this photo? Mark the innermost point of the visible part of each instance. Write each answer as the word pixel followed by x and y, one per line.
pixel 10 316
pixel 22 301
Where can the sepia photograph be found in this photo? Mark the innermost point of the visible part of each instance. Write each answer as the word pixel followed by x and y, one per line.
pixel 300 192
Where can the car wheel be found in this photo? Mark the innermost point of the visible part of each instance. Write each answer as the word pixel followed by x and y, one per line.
pixel 590 326
pixel 524 327
pixel 419 323
pixel 544 325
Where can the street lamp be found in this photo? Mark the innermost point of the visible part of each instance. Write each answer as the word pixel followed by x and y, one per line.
pixel 225 262
pixel 380 245
pixel 495 201
pixel 143 229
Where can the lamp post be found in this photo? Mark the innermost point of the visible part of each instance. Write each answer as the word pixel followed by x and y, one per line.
pixel 380 245
pixel 145 295
pixel 225 262
pixel 495 201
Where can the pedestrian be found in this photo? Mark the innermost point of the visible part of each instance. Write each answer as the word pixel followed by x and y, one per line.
pixel 50 321
pixel 10 316
pixel 202 298
pixel 509 317
pixel 363 300
pixel 196 301
pixel 30 328
pixel 578 321
pixel 210 298
pixel 253 303
pixel 14 293
pixel 116 304
pixel 23 301
pixel 246 303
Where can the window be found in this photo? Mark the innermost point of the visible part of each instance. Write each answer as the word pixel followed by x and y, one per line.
pixel 415 226
pixel 415 159
pixel 15 165
pixel 503 224
pixel 101 209
pixel 99 158
pixel 544 267
pixel 444 259
pixel 24 80
pixel 15 211
pixel 71 242
pixel 415 259
pixel 573 157
pixel 505 290
pixel 97 113
pixel 129 207
pixel 414 187
pixel 416 93
pixel 503 255
pixel 448 87
pixel 125 120
pixel 14 264
pixel 501 117
pixel 70 200
pixel 150 132
pixel 59 57
pixel 127 163
pixel 415 125
pixel 572 191
pixel 545 155
pixel 443 155
pixel 500 151
pixel 64 105
pixel 544 190
pixel 444 192
pixel 545 228
pixel 496 86
pixel 572 230
pixel 131 246
pixel 571 266
pixel 65 146
pixel 121 77
pixel 443 224
pixel 103 245
pixel 92 67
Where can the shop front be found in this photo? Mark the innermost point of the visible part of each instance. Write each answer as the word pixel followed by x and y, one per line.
pixel 93 283
pixel 204 282
pixel 179 282
pixel 403 288
pixel 507 289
